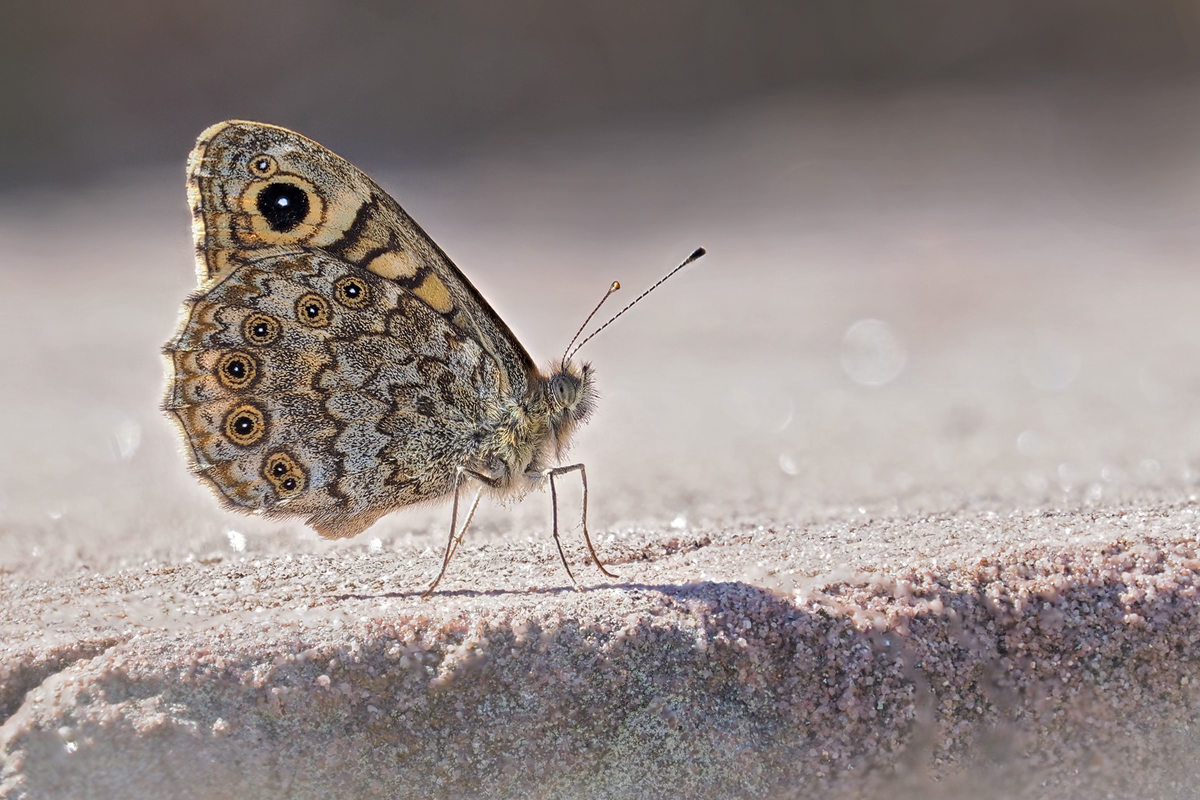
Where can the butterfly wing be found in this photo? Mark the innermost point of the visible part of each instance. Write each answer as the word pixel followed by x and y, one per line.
pixel 334 363
pixel 239 170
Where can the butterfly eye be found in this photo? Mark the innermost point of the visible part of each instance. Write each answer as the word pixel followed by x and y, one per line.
pixel 263 166
pixel 564 389
pixel 283 205
pixel 260 329
pixel 236 370
pixel 352 292
pixel 313 310
pixel 245 425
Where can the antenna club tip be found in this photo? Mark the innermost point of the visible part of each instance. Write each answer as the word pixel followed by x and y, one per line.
pixel 616 285
pixel 699 251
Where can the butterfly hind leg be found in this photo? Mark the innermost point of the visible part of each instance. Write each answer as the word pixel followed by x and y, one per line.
pixel 552 474
pixel 456 535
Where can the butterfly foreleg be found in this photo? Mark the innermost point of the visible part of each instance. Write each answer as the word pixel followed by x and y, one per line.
pixel 456 534
pixel 552 474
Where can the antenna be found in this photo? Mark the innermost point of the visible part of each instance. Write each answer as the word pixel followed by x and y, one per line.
pixel 615 286
pixel 699 251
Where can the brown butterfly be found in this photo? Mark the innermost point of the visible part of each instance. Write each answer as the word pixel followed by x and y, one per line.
pixel 334 364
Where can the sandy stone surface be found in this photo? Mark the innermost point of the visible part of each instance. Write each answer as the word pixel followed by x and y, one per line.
pixel 900 483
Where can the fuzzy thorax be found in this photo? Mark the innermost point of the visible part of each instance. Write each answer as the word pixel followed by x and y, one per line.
pixel 535 433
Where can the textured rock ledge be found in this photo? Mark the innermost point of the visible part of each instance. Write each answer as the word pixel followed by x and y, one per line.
pixel 1035 671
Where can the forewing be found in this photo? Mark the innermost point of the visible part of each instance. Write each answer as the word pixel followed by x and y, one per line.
pixel 256 187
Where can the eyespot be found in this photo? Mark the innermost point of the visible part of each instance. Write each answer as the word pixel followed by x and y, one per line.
pixel 284 474
pixel 352 292
pixel 237 370
pixel 281 210
pixel 245 425
pixel 313 311
pixel 283 205
pixel 263 166
pixel 260 329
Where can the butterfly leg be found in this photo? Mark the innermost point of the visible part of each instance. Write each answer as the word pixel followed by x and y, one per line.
pixel 463 530
pixel 554 527
pixel 552 474
pixel 456 535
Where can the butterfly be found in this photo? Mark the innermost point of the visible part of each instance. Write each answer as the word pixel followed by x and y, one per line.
pixel 334 364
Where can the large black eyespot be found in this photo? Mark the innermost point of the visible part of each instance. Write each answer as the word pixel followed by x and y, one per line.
pixel 313 310
pixel 236 370
pixel 352 292
pixel 284 205
pixel 245 425
pixel 260 329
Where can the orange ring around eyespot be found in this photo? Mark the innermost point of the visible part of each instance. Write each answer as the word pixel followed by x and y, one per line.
pixel 271 325
pixel 263 165
pixel 314 311
pixel 279 469
pixel 245 425
pixel 227 370
pixel 344 288
pixel 261 229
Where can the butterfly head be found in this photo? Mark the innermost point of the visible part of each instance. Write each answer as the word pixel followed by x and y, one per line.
pixel 571 397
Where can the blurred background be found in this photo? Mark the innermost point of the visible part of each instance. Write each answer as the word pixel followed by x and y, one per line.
pixel 88 88
pixel 952 245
